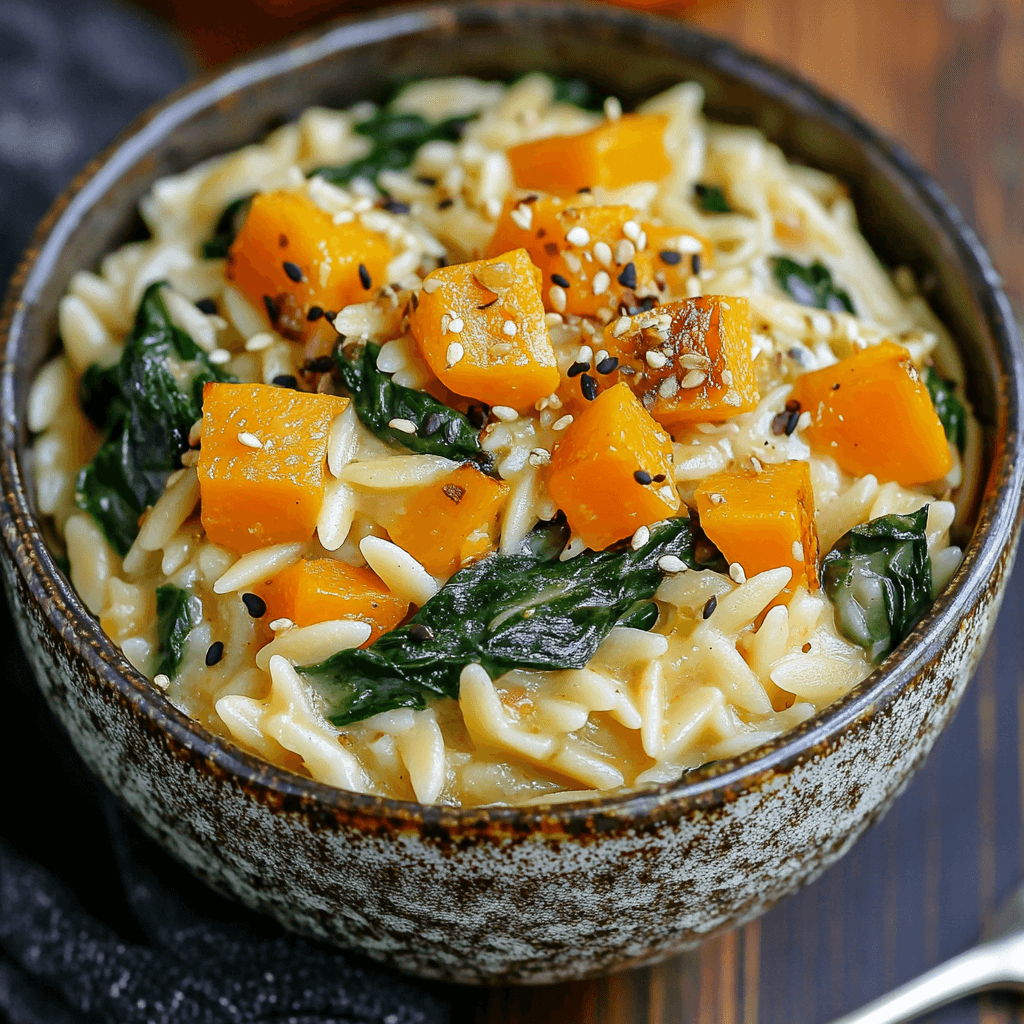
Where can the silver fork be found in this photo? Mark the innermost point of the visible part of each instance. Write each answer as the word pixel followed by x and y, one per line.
pixel 997 962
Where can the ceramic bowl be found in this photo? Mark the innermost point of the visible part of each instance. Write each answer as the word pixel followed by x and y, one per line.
pixel 503 895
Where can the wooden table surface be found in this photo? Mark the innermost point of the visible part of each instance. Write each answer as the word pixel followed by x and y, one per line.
pixel 946 80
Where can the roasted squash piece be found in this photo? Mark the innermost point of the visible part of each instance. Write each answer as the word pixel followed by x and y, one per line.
pixel 290 257
pixel 763 520
pixel 675 256
pixel 261 464
pixel 453 521
pixel 688 361
pixel 480 327
pixel 612 471
pixel 324 589
pixel 873 414
pixel 614 154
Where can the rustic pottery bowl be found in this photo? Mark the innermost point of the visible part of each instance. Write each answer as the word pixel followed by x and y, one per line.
pixel 506 895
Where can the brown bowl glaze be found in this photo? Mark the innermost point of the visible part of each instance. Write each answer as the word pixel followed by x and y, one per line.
pixel 500 895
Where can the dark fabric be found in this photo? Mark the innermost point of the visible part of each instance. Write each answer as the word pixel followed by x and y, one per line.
pixel 96 922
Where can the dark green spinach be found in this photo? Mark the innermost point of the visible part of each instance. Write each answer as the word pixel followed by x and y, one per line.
pixel 577 92
pixel 949 408
pixel 811 286
pixel 175 619
pixel 524 610
pixel 230 223
pixel 147 403
pixel 711 199
pixel 879 577
pixel 440 430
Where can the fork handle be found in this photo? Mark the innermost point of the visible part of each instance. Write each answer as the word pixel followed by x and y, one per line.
pixel 991 965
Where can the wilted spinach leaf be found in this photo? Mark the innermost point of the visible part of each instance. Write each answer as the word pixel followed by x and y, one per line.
pixel 949 408
pixel 711 199
pixel 577 92
pixel 174 622
pixel 440 430
pixel 879 577
pixel 147 402
pixel 527 610
pixel 216 247
pixel 811 286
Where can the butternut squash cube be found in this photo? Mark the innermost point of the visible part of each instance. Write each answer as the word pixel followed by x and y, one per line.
pixel 480 327
pixel 763 520
pixel 261 464
pixel 290 256
pixel 324 589
pixel 675 255
pixel 688 361
pixel 614 154
pixel 873 414
pixel 453 521
pixel 612 471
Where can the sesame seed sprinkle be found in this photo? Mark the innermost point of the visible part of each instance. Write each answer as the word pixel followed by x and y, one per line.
pixel 220 356
pixel 603 253
pixel 625 250
pixel 557 297
pixel 655 360
pixel 509 328
pixel 588 385
pixel 736 573
pixel 456 325
pixel 454 354
pixel 249 440
pixel 364 277
pixel 577 236
pixel 576 369
pixel 161 681
pixel 258 342
pixel 670 257
pixel 608 365
pixel 562 423
pixel 560 280
pixel 641 476
pixel 640 538
pixel 431 285
pixel 403 425
pixel 631 230
pixel 282 623
pixel 628 276
pixel 254 605
pixel 539 457
pixel 671 563
pixel 293 270
pixel 709 608
pixel 601 282
pixel 621 326
pixel 694 378
pixel 214 653
pixel 505 413
pixel 314 313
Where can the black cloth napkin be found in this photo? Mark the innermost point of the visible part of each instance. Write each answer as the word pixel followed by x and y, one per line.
pixel 96 922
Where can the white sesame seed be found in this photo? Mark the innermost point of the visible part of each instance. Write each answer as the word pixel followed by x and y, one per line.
pixel 522 216
pixel 557 296
pixel 688 244
pixel 454 354
pixel 603 253
pixel 573 262
pixel 604 315
pixel 670 563
pixel 631 230
pixel 577 236
pixel 694 361
pixel 669 386
pixel 431 285
pixel 161 681
pixel 804 420
pixel 562 423
pixel 220 356
pixel 509 328
pixel 641 241
pixel 716 498
pixel 601 282
pixel 550 319
pixel 640 538
pixel 278 624
pixel 258 342
pixel 621 326
pixel 456 326
pixel 612 108
pixel 655 360
pixel 756 463
pixel 584 354
pixel 505 413
pixel 249 440
pixel 798 551
pixel 600 356
pixel 540 457
pixel 554 402
pixel 625 250
pixel 727 378
pixel 405 426
pixel 737 573
pixel 694 378
pixel 446 319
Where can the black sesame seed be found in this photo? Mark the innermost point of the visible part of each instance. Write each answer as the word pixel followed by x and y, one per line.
pixel 588 385
pixel 329 315
pixel 424 179
pixel 560 280
pixel 660 478
pixel 577 368
pixel 586 189
pixel 322 364
pixel 628 276
pixel 641 476
pixel 445 203
pixel 271 307
pixel 432 424
pixel 835 387
pixel 477 415
pixel 531 198
pixel 670 256
pixel 394 206
pixel 710 607
pixel 608 365
pixel 293 270
pixel 418 631
pixel 792 422
pixel 254 605
pixel 647 303
pixel 695 263
pixel 206 306
pixel 285 380
pixel 364 276
pixel 314 313
pixel 779 423
pixel 214 653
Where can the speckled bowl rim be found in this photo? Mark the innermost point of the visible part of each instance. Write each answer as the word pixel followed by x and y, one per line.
pixel 700 789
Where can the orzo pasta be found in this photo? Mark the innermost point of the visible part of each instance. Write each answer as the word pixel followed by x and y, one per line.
pixel 497 446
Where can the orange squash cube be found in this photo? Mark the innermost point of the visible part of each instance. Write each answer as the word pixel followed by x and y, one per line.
pixel 614 154
pixel 873 414
pixel 324 589
pixel 480 327
pixel 612 471
pixel 763 520
pixel 675 255
pixel 261 464
pixel 290 256
pixel 688 361
pixel 453 521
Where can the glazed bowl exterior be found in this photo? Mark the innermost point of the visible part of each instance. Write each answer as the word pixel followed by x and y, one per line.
pixel 506 895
